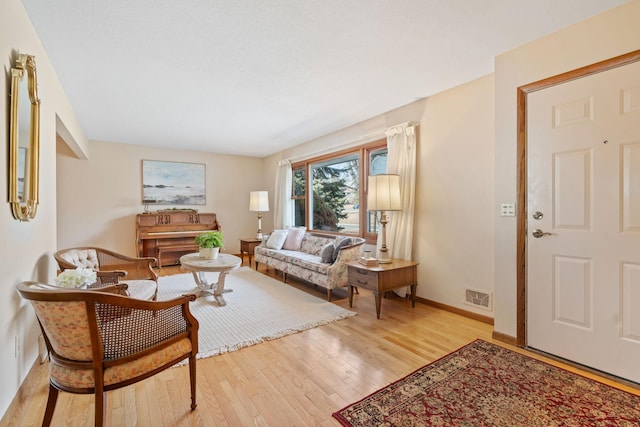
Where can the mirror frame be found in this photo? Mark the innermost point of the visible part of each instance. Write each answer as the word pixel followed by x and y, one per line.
pixel 24 210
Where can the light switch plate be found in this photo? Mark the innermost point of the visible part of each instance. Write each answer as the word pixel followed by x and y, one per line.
pixel 508 209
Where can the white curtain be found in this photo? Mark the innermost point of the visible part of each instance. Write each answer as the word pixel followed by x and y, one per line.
pixel 283 209
pixel 401 160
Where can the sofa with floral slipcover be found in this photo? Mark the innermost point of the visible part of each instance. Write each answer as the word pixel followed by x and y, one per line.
pixel 316 258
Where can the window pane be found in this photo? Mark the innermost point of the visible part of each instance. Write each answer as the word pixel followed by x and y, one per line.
pixel 335 201
pixel 377 166
pixel 299 182
pixel 378 161
pixel 298 212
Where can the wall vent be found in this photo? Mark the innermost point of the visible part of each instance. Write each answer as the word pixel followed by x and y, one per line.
pixel 477 298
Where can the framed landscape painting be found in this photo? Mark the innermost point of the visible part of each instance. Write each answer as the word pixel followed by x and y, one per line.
pixel 173 183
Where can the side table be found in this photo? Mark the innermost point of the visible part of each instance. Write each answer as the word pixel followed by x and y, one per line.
pixel 382 278
pixel 247 245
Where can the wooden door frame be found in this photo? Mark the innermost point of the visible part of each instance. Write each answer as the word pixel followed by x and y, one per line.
pixel 521 241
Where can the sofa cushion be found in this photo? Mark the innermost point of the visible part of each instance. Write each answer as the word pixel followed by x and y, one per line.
pixel 326 254
pixel 306 261
pixel 294 238
pixel 277 239
pixel 344 241
pixel 313 244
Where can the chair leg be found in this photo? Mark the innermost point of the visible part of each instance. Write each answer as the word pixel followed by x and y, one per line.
pixel 101 404
pixel 284 277
pixel 329 294
pixel 192 380
pixel 51 405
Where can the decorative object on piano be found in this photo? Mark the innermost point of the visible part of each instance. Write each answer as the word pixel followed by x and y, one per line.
pixel 78 278
pixel 259 202
pixel 210 243
pixel 173 183
pixel 146 203
pixel 384 195
pixel 173 210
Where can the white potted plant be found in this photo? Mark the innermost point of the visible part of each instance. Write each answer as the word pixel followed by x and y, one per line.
pixel 210 243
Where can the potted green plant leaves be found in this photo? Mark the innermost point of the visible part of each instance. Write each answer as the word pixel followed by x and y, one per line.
pixel 210 243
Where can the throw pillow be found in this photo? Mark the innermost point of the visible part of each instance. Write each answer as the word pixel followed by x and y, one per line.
pixel 326 254
pixel 294 238
pixel 276 239
pixel 343 242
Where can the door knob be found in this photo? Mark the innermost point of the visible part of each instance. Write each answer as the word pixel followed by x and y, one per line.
pixel 537 233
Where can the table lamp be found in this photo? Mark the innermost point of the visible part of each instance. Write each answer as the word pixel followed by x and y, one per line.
pixel 259 202
pixel 383 194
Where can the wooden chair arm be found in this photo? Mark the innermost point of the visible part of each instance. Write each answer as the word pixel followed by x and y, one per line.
pixel 110 277
pixel 114 288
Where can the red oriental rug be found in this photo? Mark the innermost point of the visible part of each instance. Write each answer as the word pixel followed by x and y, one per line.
pixel 483 384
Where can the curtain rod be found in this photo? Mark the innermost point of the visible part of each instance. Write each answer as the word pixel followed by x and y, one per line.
pixel 363 139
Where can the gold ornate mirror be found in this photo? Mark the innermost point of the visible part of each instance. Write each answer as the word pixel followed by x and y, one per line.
pixel 24 139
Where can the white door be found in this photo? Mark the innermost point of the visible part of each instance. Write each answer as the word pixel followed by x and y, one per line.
pixel 583 171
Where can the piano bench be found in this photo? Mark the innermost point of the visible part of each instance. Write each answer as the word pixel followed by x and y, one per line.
pixel 174 248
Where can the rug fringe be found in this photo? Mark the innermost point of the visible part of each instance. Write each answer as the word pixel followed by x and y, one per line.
pixel 280 334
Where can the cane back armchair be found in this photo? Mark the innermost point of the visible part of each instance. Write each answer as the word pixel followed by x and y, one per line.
pixel 112 267
pixel 100 341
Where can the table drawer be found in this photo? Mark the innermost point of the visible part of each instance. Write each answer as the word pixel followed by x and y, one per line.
pixel 363 278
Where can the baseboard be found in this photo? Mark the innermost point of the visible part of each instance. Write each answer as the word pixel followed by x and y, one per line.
pixel 507 339
pixel 475 316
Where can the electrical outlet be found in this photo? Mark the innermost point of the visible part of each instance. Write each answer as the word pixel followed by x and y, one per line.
pixel 508 209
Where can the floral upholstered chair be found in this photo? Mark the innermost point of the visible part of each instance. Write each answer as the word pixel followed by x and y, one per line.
pixel 100 341
pixel 112 267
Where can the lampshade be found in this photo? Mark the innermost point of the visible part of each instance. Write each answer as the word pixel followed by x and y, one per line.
pixel 259 201
pixel 383 193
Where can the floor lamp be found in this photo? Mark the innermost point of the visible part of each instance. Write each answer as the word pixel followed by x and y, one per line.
pixel 259 202
pixel 383 194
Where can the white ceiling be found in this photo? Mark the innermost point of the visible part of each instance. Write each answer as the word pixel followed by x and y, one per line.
pixel 253 77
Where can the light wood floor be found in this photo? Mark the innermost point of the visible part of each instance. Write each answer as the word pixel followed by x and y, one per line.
pixel 298 380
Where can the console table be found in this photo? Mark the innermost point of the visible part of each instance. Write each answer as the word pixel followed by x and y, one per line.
pixel 382 278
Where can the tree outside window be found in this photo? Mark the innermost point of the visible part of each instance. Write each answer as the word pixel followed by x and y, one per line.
pixel 337 188
pixel 336 192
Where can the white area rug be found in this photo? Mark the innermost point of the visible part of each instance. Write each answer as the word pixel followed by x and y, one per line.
pixel 259 308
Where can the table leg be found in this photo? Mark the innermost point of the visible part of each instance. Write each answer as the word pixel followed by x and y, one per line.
pixel 378 303
pixel 205 288
pixel 413 295
pixel 217 293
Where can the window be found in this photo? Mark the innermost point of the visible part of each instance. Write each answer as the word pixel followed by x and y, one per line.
pixel 377 166
pixel 329 192
pixel 298 195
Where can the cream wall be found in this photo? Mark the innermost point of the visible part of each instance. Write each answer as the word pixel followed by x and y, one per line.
pixel 609 34
pixel 99 198
pixel 27 246
pixel 455 210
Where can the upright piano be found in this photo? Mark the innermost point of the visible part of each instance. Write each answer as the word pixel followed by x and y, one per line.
pixel 167 235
